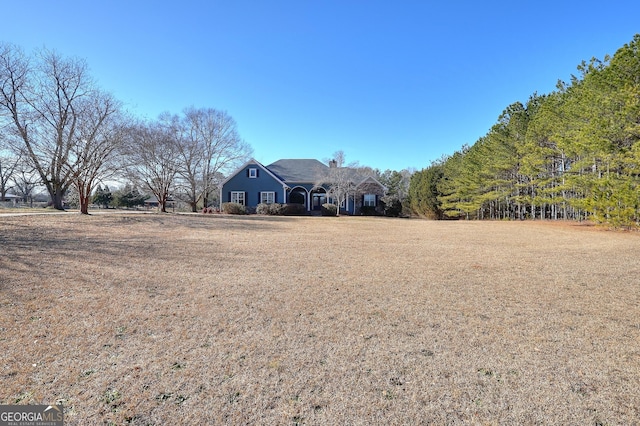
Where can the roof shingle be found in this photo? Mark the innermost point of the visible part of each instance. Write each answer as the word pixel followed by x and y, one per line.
pixel 299 170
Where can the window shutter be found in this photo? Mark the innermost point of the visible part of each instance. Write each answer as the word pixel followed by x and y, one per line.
pixel 257 173
pixel 275 197
pixel 259 197
pixel 247 172
pixel 229 196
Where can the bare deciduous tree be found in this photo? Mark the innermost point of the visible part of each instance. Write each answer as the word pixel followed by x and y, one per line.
pixel 153 159
pixel 8 169
pixel 48 103
pixel 26 181
pixel 339 179
pixel 210 145
pixel 100 137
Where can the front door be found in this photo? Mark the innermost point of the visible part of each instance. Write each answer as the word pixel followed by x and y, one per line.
pixel 318 201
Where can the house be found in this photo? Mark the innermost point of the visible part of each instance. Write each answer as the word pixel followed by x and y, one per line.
pixel 153 203
pixel 11 199
pixel 301 181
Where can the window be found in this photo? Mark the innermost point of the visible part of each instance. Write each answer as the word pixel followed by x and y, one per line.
pixel 253 173
pixel 237 197
pixel 369 200
pixel 268 197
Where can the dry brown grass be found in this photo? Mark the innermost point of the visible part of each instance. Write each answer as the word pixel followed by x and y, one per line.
pixel 162 319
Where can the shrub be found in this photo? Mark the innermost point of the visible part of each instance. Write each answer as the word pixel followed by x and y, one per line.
pixel 329 210
pixel 368 211
pixel 272 209
pixel 294 209
pixel 277 209
pixel 393 209
pixel 233 208
pixel 263 209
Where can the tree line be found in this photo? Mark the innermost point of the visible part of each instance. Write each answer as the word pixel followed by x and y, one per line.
pixel 571 154
pixel 59 129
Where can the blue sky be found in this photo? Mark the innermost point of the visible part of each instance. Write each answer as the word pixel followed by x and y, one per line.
pixel 392 84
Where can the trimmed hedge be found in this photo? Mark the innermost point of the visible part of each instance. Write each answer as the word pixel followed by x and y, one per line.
pixel 295 209
pixel 233 208
pixel 273 209
pixel 277 209
pixel 329 210
pixel 368 211
pixel 393 209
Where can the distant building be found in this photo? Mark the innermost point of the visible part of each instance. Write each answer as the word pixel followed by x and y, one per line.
pixel 11 199
pixel 152 202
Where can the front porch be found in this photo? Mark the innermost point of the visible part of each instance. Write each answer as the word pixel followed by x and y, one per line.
pixel 315 197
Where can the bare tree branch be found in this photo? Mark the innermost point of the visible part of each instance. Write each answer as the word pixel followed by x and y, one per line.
pixel 210 146
pixel 153 159
pixel 45 104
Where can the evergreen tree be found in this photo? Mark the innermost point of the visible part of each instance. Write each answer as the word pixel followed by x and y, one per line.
pixel 572 154
pixel 128 197
pixel 423 192
pixel 397 184
pixel 103 196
